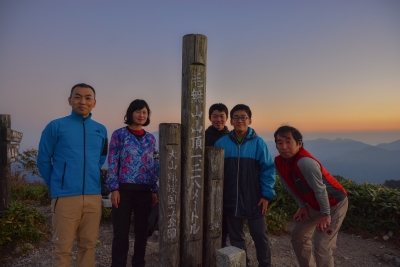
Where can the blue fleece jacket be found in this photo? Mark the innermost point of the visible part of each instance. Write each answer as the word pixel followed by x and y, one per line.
pixel 71 152
pixel 249 174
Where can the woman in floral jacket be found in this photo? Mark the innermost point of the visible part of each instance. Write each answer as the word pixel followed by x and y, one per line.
pixel 132 179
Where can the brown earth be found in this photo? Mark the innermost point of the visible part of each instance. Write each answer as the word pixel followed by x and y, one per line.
pixel 352 251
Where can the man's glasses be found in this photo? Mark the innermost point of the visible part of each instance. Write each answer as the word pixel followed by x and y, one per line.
pixel 242 118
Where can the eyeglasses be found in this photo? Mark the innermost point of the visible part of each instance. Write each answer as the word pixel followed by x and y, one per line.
pixel 237 118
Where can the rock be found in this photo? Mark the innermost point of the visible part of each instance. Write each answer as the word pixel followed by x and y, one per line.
pixel 390 234
pixel 385 237
pixel 231 256
pixel 17 250
pixel 28 246
pixel 395 261
pixel 154 237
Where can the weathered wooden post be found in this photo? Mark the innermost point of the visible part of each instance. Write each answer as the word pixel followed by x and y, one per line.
pixel 194 62
pixel 8 154
pixel 213 184
pixel 170 194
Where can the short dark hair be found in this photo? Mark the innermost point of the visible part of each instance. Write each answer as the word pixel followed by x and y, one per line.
pixel 83 85
pixel 286 129
pixel 217 106
pixel 136 104
pixel 241 107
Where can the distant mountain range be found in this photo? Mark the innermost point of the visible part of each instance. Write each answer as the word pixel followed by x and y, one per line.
pixel 350 159
pixel 355 160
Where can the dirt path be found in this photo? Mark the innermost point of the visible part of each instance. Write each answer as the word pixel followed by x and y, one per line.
pixel 352 251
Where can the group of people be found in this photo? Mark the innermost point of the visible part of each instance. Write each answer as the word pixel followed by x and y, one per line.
pixel 73 149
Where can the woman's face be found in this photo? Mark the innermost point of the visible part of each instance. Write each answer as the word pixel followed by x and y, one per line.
pixel 140 116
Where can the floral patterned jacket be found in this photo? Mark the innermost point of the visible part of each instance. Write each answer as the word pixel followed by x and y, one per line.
pixel 131 160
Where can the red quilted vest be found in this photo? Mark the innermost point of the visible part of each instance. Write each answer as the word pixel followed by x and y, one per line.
pixel 286 167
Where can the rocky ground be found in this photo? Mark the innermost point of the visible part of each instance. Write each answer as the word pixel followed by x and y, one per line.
pixel 352 251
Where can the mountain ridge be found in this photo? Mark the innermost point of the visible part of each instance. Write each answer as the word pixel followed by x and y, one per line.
pixel 355 160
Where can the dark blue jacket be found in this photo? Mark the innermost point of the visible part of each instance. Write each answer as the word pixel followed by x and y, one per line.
pixel 71 152
pixel 249 175
pixel 212 135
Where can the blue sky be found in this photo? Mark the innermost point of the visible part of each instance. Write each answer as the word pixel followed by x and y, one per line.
pixel 329 68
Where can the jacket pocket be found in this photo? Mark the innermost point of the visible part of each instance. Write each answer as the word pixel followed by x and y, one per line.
pixel 55 204
pixel 63 176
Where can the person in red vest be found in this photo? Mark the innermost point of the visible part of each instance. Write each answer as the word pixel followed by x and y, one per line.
pixel 322 200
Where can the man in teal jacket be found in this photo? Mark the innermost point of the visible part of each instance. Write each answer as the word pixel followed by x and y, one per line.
pixel 72 150
pixel 249 178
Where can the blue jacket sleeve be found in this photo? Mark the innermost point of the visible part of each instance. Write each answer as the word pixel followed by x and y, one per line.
pixel 267 170
pixel 47 144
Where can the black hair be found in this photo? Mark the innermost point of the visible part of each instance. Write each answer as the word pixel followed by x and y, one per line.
pixel 241 107
pixel 218 106
pixel 286 129
pixel 83 85
pixel 136 104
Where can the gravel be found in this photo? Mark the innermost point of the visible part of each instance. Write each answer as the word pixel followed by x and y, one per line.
pixel 352 251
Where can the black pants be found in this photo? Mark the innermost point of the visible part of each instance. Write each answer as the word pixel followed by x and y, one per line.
pixel 258 231
pixel 224 231
pixel 140 203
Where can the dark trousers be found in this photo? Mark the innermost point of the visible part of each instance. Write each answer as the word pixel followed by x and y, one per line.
pixel 258 231
pixel 140 203
pixel 224 231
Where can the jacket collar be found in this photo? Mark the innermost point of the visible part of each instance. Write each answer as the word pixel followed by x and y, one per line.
pixel 79 117
pixel 249 135
pixel 211 129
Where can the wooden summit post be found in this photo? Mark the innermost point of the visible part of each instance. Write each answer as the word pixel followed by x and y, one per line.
pixel 214 184
pixel 194 62
pixel 8 154
pixel 170 194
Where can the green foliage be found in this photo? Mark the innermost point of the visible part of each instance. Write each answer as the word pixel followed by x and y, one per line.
pixel 280 209
pixel 106 215
pixel 22 190
pixel 276 221
pixel 27 160
pixel 20 224
pixel 372 208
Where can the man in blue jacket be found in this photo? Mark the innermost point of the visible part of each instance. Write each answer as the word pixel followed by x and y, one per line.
pixel 71 152
pixel 249 178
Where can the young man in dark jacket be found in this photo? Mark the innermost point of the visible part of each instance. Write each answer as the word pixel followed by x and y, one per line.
pixel 249 178
pixel 218 115
pixel 322 200
pixel 71 152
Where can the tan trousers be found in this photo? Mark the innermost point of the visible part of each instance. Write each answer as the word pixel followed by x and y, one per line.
pixel 324 242
pixel 80 216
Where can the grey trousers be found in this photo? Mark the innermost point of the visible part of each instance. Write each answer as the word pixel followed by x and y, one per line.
pixel 305 237
pixel 258 231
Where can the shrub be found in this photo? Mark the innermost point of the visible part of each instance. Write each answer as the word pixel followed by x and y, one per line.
pixel 280 209
pixel 22 190
pixel 20 224
pixel 106 214
pixel 372 208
